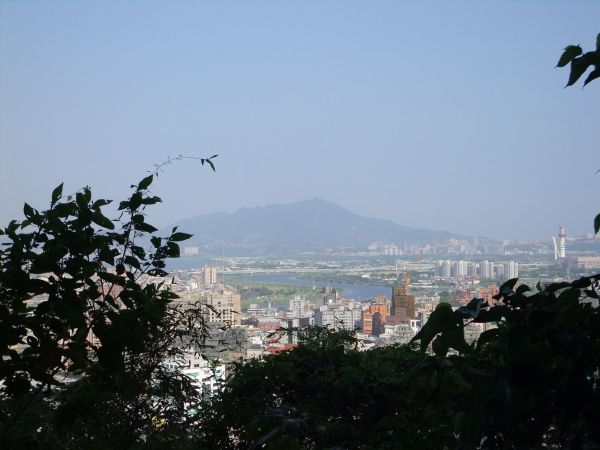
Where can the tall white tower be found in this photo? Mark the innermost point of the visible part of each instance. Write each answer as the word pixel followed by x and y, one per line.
pixel 560 249
pixel 562 242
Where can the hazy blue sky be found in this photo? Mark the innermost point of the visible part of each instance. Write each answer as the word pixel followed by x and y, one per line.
pixel 434 114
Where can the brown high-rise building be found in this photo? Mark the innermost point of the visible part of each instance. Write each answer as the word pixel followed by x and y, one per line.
pixel 373 319
pixel 487 294
pixel 367 322
pixel 404 306
pixel 378 323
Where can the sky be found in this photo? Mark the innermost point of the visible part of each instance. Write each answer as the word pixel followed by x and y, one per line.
pixel 433 114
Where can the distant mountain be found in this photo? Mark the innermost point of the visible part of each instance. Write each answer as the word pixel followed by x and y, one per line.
pixel 309 225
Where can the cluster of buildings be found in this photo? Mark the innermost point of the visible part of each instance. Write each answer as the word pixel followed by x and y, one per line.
pixel 264 330
pixel 378 322
pixel 220 309
pixel 483 269
pixel 472 246
pixel 383 248
pixel 585 262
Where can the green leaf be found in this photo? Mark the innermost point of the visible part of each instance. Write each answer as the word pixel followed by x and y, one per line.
pixel 471 309
pixel 579 66
pixel 597 224
pixel 558 286
pixel 64 210
pixel 592 76
pixel 172 250
pixel 135 201
pixel 441 318
pixel 598 43
pixel 80 200
pixel 132 261
pixel 177 237
pixel 146 227
pixel 87 194
pixel 99 219
pixel 452 337
pixel 111 278
pixel 571 52
pixel 151 200
pixel 156 241
pixel 494 314
pixel 508 286
pixel 159 263
pixel 57 193
pixel 138 251
pixel 582 283
pixel 522 289
pixel 28 211
pixel 487 336
pixel 145 183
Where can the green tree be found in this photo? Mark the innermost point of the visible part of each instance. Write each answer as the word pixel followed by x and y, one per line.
pixel 327 393
pixel 532 380
pixel 85 327
pixel 534 377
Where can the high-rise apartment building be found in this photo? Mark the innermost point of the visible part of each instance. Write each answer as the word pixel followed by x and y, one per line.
pixel 444 268
pixel 337 317
pixel 461 269
pixel 373 319
pixel 471 269
pixel 191 251
pixel 298 307
pixel 209 275
pixel 486 269
pixel 224 306
pixel 511 270
pixel 498 271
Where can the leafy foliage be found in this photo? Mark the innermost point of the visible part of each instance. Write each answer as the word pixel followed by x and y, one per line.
pixel 580 62
pixel 328 394
pixel 529 381
pixel 85 328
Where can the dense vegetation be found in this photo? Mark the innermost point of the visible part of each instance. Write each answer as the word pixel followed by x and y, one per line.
pixel 530 382
pixel 84 332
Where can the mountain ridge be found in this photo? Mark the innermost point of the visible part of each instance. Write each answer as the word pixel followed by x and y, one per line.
pixel 307 225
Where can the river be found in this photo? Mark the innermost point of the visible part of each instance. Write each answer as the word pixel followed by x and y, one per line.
pixel 350 291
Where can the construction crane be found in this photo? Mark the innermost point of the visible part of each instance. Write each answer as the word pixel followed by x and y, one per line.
pixel 407 277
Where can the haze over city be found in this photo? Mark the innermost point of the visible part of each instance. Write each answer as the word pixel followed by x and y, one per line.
pixel 436 115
